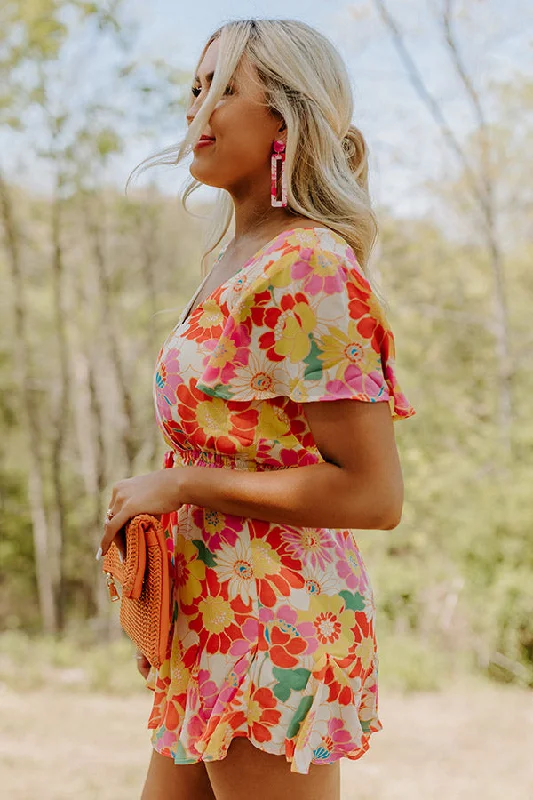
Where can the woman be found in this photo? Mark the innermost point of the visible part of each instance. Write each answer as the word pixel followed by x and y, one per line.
pixel 271 670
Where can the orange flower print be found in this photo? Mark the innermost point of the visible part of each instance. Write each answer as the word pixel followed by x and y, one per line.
pixel 332 623
pixel 364 308
pixel 207 320
pixel 262 714
pixel 204 420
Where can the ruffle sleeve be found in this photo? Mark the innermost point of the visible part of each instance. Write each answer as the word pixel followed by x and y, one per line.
pixel 309 327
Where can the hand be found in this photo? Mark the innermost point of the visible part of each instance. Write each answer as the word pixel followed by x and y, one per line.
pixel 143 665
pixel 155 493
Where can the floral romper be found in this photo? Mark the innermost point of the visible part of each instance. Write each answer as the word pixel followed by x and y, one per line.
pixel 273 633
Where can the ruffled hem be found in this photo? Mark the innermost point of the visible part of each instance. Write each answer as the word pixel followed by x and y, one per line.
pixel 318 731
pixel 353 756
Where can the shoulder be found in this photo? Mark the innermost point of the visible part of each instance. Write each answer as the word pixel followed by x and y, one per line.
pixel 311 260
pixel 313 267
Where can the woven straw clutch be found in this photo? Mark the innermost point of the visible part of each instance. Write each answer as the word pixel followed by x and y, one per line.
pixel 144 575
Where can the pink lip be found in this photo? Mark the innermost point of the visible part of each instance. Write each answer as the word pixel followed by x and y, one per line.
pixel 202 142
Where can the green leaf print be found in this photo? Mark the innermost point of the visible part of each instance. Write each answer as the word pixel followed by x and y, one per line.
pixel 204 554
pixel 282 691
pixel 288 680
pixel 313 370
pixel 181 756
pixel 301 711
pixel 220 390
pixel 354 601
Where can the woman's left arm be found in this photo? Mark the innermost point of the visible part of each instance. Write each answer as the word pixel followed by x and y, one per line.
pixel 360 485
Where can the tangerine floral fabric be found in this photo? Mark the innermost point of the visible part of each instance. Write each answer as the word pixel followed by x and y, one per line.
pixel 273 634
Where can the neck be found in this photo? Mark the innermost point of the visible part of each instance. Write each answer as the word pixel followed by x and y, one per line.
pixel 254 214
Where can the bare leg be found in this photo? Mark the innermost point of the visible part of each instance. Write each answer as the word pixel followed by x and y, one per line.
pixel 168 781
pixel 247 771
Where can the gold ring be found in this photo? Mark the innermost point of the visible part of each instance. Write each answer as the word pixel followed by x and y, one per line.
pixel 109 513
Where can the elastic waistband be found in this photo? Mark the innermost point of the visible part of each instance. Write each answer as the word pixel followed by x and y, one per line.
pixel 208 458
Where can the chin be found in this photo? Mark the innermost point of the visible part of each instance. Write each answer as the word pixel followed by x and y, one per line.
pixel 205 176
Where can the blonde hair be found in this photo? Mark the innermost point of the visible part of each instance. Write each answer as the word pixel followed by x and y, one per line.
pixel 305 80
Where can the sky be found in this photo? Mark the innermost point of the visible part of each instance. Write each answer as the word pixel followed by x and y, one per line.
pixel 405 146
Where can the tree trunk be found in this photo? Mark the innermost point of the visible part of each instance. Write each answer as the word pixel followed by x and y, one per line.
pixel 30 424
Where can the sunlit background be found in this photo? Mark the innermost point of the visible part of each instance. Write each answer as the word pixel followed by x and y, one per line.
pixel 92 281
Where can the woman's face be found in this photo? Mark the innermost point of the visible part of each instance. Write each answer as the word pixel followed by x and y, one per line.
pixel 242 127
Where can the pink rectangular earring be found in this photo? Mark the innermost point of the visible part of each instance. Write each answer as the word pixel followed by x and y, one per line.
pixel 278 156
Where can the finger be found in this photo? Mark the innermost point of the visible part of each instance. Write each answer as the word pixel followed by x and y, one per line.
pixel 113 498
pixel 112 527
pixel 117 500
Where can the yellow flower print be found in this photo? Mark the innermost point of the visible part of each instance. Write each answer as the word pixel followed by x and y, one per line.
pixel 213 418
pixel 211 314
pixel 324 263
pixel 189 571
pixel 345 346
pixel 365 651
pixel 265 559
pixel 304 237
pixel 280 276
pixel 223 353
pixel 216 613
pixel 292 332
pixel 275 424
pixel 179 673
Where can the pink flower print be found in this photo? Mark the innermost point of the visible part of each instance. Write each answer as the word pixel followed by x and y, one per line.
pixel 217 528
pixel 250 630
pixel 319 271
pixel 231 350
pixel 231 686
pixel 207 690
pixel 296 458
pixel 201 693
pixel 166 740
pixel 285 619
pixel 336 743
pixel 350 568
pixel 167 380
pixel 313 546
pixel 195 728
pixel 369 385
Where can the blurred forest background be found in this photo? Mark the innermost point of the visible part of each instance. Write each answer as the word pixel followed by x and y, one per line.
pixel 86 272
